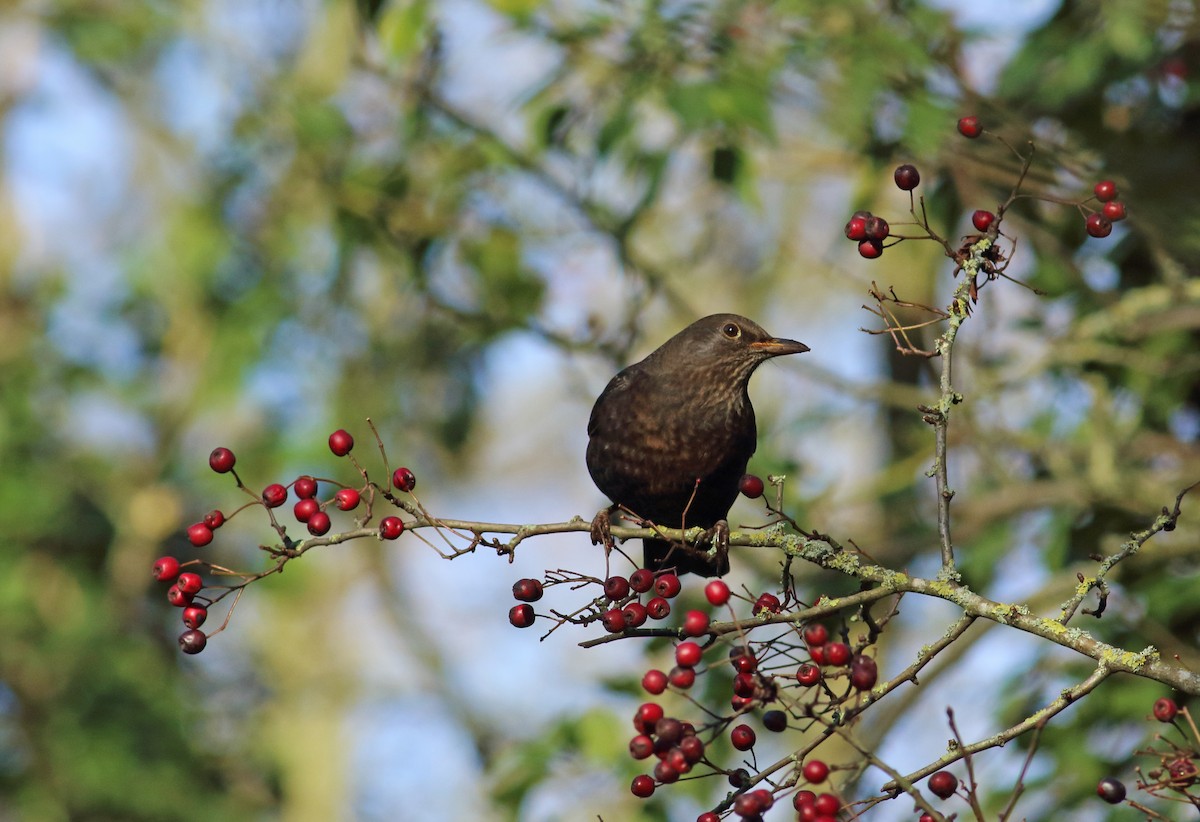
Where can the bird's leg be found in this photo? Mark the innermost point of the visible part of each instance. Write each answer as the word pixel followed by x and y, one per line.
pixel 601 530
pixel 718 538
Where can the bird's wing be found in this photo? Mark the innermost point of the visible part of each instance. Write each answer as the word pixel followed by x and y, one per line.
pixel 616 387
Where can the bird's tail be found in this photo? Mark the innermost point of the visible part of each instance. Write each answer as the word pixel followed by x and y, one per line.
pixel 662 555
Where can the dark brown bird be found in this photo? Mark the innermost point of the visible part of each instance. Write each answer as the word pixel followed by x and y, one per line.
pixel 670 436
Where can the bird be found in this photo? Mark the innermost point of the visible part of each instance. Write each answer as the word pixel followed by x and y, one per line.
pixel 670 437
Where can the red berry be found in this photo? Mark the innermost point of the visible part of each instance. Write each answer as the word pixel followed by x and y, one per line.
pixel 404 479
pixel 815 771
pixel 527 590
pixel 192 642
pixel 1098 225
pixel 969 127
pixel 682 677
pixel 691 745
pixel 870 249
pixel 214 519
pixel 744 685
pixel 179 598
pixel 864 672
pixel 817 654
pixel 695 623
pixel 641 746
pixel 194 616
pixel 347 499
pixel 658 608
pixel 1111 790
pixel 616 588
pixel 827 804
pixel 635 614
pixel 319 523
pixel 648 714
pixel 667 585
pixel 190 583
pixel 768 603
pixel 221 460
pixel 751 485
pixel 654 681
pixel 815 634
pixel 878 229
pixel 521 616
pixel 305 487
pixel 1114 210
pixel 907 177
pixel 274 495
pixel 837 653
pixel 665 773
pixel 802 798
pixel 808 674
pixel 742 660
pixel 340 442
pixel 613 620
pixel 1105 191
pixel 669 730
pixel 716 592
pixel 775 721
pixel 391 527
pixel 199 534
pixel 943 784
pixel 305 508
pixel 742 737
pixel 747 805
pixel 641 580
pixel 688 653
pixel 1165 709
pixel 982 220
pixel 166 569
pixel 856 229
pixel 709 816
pixel 643 786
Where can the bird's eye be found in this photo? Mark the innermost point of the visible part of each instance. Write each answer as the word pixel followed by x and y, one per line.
pixel 731 331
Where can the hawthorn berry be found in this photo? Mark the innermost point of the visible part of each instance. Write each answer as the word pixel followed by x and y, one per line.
pixel 347 499
pixel 221 460
pixel 665 773
pixel 808 674
pixel 748 805
pixel 969 127
pixel 1111 790
pixel 305 508
pixel 635 614
pixel 943 784
pixel 190 583
pixel 643 786
pixel 1114 210
pixel 751 486
pixel 613 620
pixel 837 653
pixel 907 177
pixel 641 580
pixel 775 721
pixel 1098 225
pixel 856 229
pixel 864 672
pixel 709 816
pixel 521 616
pixel 802 798
pixel 178 597
pixel 743 661
pixel 340 442
pixel 616 588
pixel 658 608
pixel 766 602
pixel 648 714
pixel 817 654
pixel 527 590
pixel 682 677
pixel 667 585
pixel 641 746
pixel 827 803
pixel 742 737
pixel 166 569
pixel 1105 191
pixel 274 495
pixel 870 249
pixel 669 730
pixel 878 228
pixel 1165 709
pixel 214 519
pixel 739 777
pixel 194 616
pixel 654 681
pixel 695 623
pixel 404 479
pixel 391 527
pixel 982 219
pixel 319 524
pixel 192 642
pixel 815 634
pixel 744 685
pixel 691 745
pixel 688 653
pixel 305 487
pixel 716 592
pixel 815 771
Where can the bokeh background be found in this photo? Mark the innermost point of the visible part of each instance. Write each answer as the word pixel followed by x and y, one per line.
pixel 250 222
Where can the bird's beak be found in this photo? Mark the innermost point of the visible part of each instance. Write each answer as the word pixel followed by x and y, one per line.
pixel 778 346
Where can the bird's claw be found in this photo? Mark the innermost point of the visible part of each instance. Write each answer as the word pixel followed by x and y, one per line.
pixel 601 530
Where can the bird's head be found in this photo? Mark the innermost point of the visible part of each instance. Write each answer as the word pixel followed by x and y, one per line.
pixel 728 344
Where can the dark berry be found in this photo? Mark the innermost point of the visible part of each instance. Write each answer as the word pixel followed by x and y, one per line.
pixel 1111 790
pixel 1105 191
pixel 691 745
pixel 870 249
pixel 808 674
pixel 716 592
pixel 815 771
pixel 742 737
pixel 347 499
pixel 665 773
pixel 391 527
pixel 635 615
pixel 682 677
pixel 340 442
pixel 970 127
pixel 803 798
pixel 907 177
pixel 179 598
pixel 643 786
pixel 166 569
pixel 641 580
pixel 654 681
pixel 878 229
pixel 190 583
pixel 667 585
pixel 864 672
pixel 192 642
pixel 1098 225
pixel 748 804
pixel 837 653
pixel 739 778
pixel 521 616
pixel 688 653
pixel 658 608
pixel 305 487
pixel 695 623
pixel 856 229
pixel 768 603
pixel 1165 709
pixel 319 524
pixel 982 220
pixel 214 519
pixel 815 634
pixel 1114 210
pixel 613 620
pixel 669 730
pixel 775 721
pixel 527 590
pixel 305 508
pixel 616 588
pixel 943 784
pixel 274 495
pixel 194 616
pixel 751 485
pixel 641 746
pixel 221 460
pixel 744 685
pixel 404 479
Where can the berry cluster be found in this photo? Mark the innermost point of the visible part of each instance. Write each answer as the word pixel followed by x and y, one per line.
pixel 188 590
pixel 1176 774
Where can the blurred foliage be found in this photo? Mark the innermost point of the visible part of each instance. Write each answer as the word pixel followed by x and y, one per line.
pixel 314 220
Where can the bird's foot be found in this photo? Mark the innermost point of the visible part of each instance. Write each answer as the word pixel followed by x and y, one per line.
pixel 717 537
pixel 601 530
